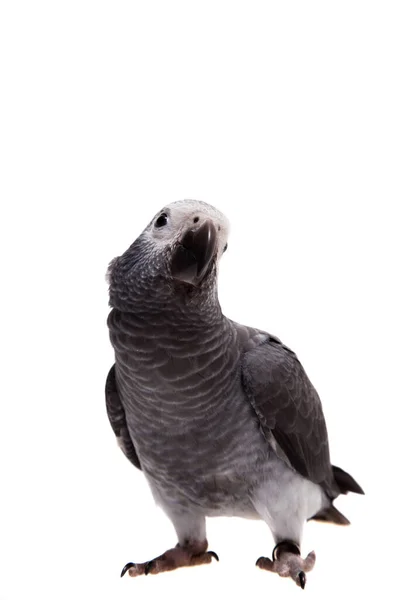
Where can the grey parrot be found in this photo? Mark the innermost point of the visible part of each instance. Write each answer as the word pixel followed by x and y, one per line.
pixel 221 418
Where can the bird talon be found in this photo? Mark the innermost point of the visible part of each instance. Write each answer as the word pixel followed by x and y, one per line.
pixel 214 555
pixel 126 568
pixel 302 579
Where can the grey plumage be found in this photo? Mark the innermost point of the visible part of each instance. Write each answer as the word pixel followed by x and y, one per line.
pixel 221 418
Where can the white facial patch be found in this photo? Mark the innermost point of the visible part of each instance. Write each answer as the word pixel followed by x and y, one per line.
pixel 184 215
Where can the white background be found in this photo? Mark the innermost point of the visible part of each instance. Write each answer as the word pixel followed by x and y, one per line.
pixel 285 115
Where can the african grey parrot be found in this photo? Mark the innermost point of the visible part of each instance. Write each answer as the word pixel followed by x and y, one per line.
pixel 221 418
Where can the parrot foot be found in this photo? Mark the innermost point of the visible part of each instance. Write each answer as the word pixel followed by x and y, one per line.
pixel 189 555
pixel 287 562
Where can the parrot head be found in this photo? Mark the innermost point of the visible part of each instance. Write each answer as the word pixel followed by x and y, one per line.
pixel 180 248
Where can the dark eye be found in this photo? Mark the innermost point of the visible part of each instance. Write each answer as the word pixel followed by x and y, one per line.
pixel 225 248
pixel 161 221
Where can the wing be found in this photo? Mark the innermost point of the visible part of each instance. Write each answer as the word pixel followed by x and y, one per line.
pixel 287 405
pixel 116 415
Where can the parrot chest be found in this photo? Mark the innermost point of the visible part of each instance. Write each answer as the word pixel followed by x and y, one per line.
pixel 196 435
pixel 208 460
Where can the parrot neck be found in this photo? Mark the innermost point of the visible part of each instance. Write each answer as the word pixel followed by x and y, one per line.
pixel 139 285
pixel 157 300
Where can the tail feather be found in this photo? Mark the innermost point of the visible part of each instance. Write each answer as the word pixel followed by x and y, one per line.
pixel 345 482
pixel 331 515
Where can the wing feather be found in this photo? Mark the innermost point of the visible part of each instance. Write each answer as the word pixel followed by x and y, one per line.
pixel 289 407
pixel 116 415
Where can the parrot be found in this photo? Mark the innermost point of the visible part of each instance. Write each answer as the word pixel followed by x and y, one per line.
pixel 221 418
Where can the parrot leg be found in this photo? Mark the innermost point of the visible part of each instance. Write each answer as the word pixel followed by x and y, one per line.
pixel 287 562
pixel 185 555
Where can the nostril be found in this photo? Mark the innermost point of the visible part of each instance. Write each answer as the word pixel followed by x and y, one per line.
pixel 196 220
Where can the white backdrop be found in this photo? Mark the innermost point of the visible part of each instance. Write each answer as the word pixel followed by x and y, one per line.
pixel 285 115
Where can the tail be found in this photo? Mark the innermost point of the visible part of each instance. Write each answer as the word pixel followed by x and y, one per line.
pixel 345 483
pixel 331 515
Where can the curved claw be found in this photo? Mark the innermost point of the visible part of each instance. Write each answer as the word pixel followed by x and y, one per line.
pixel 126 568
pixel 147 568
pixel 214 555
pixel 302 579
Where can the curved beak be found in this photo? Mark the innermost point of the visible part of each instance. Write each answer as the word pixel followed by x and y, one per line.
pixel 194 253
